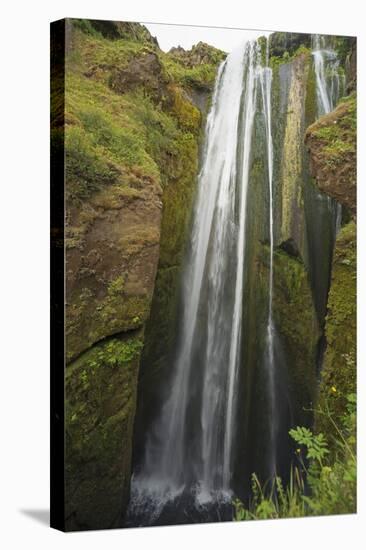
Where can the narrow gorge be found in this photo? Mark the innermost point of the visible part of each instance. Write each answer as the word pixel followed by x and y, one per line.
pixel 210 264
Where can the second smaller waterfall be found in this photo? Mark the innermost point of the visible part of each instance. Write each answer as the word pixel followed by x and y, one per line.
pixel 330 82
pixel 265 76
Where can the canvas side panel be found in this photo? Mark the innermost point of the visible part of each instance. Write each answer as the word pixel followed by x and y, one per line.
pixel 57 476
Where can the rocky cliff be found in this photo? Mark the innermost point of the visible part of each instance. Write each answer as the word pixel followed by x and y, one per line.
pixel 332 145
pixel 302 260
pixel 133 127
pixel 298 325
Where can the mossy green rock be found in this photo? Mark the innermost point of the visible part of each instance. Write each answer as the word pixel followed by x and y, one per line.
pixel 339 367
pixel 100 403
pixel 332 144
pixel 331 141
pixel 281 43
pixel 296 325
pixel 296 320
pixel 297 334
pixel 132 144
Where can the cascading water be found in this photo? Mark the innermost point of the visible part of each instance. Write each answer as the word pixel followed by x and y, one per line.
pixel 187 469
pixel 265 75
pixel 330 87
pixel 323 214
pixel 330 83
pixel 192 454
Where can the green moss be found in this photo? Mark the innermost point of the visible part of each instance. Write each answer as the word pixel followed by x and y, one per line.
pixel 127 150
pixel 339 368
pixel 262 42
pixel 291 163
pixel 100 408
pixel 180 173
pixel 86 169
pixel 85 25
pixel 109 138
pixel 293 301
pixel 188 116
pixel 311 102
pixel 296 340
pixel 343 128
pixel 98 54
pixel 284 44
pixel 163 317
pixel 296 320
pixel 332 143
pixel 102 137
pixel 287 57
pixel 339 136
pixel 195 68
pixel 343 45
pixel 116 286
pixel 107 131
pixel 201 76
pixel 116 312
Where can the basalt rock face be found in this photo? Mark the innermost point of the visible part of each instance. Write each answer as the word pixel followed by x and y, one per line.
pixel 142 72
pixel 296 315
pixel 339 366
pixel 304 238
pixel 115 30
pixel 112 254
pixel 331 141
pixel 286 43
pixel 134 126
pixel 332 147
pixel 132 145
pixel 199 54
pixel 100 407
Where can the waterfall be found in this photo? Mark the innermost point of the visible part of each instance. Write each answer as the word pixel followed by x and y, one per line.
pixel 265 74
pixel 190 448
pixel 330 86
pixel 192 451
pixel 330 83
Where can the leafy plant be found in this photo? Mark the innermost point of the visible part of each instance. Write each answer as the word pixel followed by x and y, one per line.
pixel 316 445
pixel 325 484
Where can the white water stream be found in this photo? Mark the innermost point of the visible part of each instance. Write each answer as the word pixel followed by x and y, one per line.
pixel 190 446
pixel 180 456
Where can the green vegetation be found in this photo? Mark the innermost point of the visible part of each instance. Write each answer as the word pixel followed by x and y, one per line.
pixel 282 43
pixel 195 68
pixel 322 483
pixel 332 143
pixel 323 476
pixel 276 60
pixel 132 138
pixel 311 104
pixel 297 324
pixel 342 45
pixel 105 134
pixel 100 404
pixel 131 130
pixel 107 131
pixel 337 137
pixel 199 76
pixel 132 141
pixel 86 26
pixel 339 368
